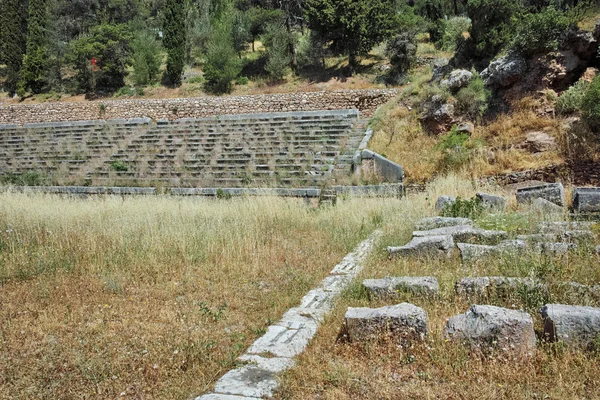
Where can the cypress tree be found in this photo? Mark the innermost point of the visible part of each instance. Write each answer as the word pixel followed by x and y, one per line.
pixel 174 39
pixel 13 25
pixel 35 62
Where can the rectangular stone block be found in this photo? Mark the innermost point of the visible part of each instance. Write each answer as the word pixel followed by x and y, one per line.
pixel 282 342
pixel 553 192
pixel 586 200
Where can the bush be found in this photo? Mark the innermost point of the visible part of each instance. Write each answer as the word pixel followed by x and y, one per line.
pixel 241 80
pixel 402 52
pixel 542 31
pixel 463 208
pixel 119 166
pixel 571 100
pixel 29 178
pixel 454 28
pixel 457 148
pixel 472 101
pixel 590 106
pixel 125 91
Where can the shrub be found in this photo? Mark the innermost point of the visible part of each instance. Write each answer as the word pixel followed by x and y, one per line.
pixel 125 91
pixel 571 100
pixel 472 100
pixel 146 58
pixel 222 63
pixel 241 80
pixel 119 166
pixel 454 28
pixel 541 31
pixel 278 41
pixel 457 149
pixel 464 208
pixel 590 106
pixel 195 79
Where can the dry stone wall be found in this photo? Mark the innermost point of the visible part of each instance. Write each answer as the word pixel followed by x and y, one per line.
pixel 366 101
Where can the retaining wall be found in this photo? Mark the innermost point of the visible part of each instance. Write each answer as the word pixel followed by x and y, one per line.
pixel 366 101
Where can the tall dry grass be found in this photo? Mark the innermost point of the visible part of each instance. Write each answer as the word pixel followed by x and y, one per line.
pixel 154 297
pixel 437 368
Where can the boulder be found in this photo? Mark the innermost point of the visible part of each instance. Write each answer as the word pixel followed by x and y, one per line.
pixel 586 200
pixel 465 234
pixel 441 68
pixel 504 71
pixel 458 79
pixel 391 287
pixel 441 222
pixel 539 142
pixel 491 201
pixel 489 328
pixel 438 119
pixel 443 202
pixel 404 322
pixel 466 127
pixel 578 326
pixel 553 192
pixel 425 246
pixel 499 286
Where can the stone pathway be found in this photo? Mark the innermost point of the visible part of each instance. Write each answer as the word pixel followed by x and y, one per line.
pixel 273 353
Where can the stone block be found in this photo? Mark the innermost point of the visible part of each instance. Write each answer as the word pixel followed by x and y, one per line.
pixel 404 322
pixel 553 192
pixel 555 248
pixel 499 286
pixel 546 207
pixel 390 287
pixel 443 202
pixel 257 379
pixel 465 234
pixel 578 236
pixel 578 326
pixel 491 201
pixel 488 329
pixel 426 224
pixel 425 246
pixel 216 396
pixel 586 200
pixel 282 342
pixel 537 237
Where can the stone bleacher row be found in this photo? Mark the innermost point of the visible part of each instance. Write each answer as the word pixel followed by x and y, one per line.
pixel 290 149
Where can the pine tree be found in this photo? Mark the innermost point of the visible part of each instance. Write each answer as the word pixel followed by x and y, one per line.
pixel 35 62
pixel 174 32
pixel 13 23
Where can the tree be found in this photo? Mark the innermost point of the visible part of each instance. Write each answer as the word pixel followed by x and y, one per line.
pixel 109 45
pixel 146 58
pixel 174 32
pixel 222 64
pixel 240 32
pixel 13 25
pixel 277 41
pixel 33 75
pixel 402 52
pixel 352 26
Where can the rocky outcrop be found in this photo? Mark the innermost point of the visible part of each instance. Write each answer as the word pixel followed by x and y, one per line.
pixel 504 71
pixel 458 79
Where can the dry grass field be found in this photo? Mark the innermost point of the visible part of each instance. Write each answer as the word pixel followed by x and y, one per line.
pixel 154 298
pixel 438 369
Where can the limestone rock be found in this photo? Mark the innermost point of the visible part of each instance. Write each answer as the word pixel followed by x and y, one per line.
pixel 500 286
pixel 425 246
pixel 390 287
pixel 405 322
pixel 539 142
pixel 555 248
pixel 443 202
pixel 458 79
pixel 441 222
pixel 438 119
pixel 491 201
pixel 489 328
pixel 466 127
pixel 553 192
pixel 472 252
pixel 546 207
pixel 538 237
pixel 504 71
pixel 586 200
pixel 465 234
pixel 577 326
pixel 573 236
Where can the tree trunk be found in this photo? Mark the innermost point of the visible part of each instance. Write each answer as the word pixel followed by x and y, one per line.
pixel 292 48
pixel 352 61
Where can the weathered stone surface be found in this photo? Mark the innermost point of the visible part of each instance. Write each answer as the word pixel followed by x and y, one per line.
pixel 282 342
pixel 538 237
pixel 501 286
pixel 404 321
pixel 458 79
pixel 335 283
pixel 579 292
pixel 539 142
pixel 586 200
pixel 471 252
pixel 465 234
pixel 504 71
pixel 546 207
pixel 466 127
pixel 441 222
pixel 438 118
pixel 556 248
pixel 578 236
pixel 546 227
pixel 391 287
pixel 489 328
pixel 258 379
pixel 553 192
pixel 491 201
pixel 425 246
pixel 443 202
pixel 216 396
pixel 575 325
